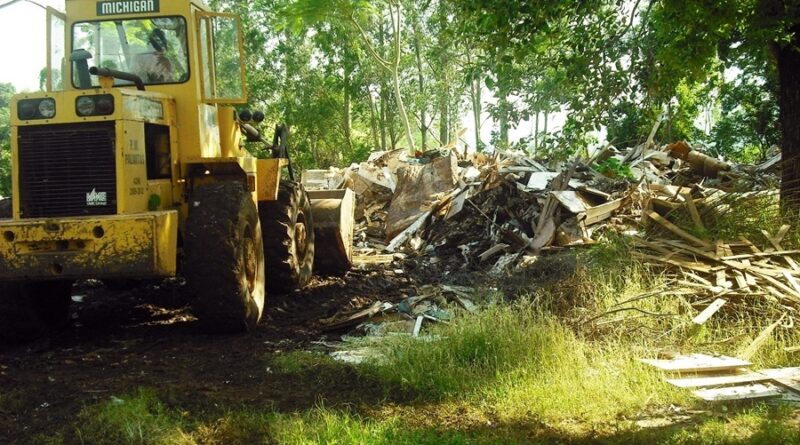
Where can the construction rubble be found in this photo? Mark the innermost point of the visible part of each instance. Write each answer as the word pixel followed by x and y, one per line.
pixel 495 212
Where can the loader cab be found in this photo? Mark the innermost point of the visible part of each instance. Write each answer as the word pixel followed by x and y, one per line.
pixel 140 144
pixel 177 48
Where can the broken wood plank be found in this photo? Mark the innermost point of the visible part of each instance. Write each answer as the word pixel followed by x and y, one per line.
pixel 693 213
pixel 699 381
pixel 331 324
pixel 788 377
pixel 539 180
pixel 571 200
pixel 741 281
pixel 403 236
pixel 712 309
pixel 782 232
pixel 658 248
pixel 373 259
pixel 698 278
pixel 759 341
pixel 721 276
pixel 677 230
pixel 417 325
pixel 786 289
pixel 594 192
pixel 750 279
pixel 747 392
pixel 492 251
pixel 792 280
pixel 544 236
pixel 602 212
pixel 749 244
pixel 760 254
pixel 456 205
pixel 776 293
pixel 698 363
pixel 697 267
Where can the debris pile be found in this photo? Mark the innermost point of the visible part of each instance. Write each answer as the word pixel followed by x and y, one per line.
pixel 496 211
pixel 431 304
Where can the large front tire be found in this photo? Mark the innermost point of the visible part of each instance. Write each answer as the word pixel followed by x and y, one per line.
pixel 224 258
pixel 288 238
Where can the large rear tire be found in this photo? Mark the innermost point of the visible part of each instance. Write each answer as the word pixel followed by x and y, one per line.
pixel 288 238
pixel 224 258
pixel 30 310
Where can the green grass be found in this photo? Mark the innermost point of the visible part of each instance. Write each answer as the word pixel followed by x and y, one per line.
pixel 519 363
pixel 549 363
pixel 137 419
pixel 507 375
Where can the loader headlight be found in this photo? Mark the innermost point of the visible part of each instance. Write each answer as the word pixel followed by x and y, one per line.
pixel 99 105
pixel 26 109
pixel 29 109
pixel 47 108
pixel 85 106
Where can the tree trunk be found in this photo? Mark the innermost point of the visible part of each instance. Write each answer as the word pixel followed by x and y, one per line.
pixel 423 124
pixel 504 106
pixel 385 121
pixel 475 94
pixel 444 115
pixel 544 130
pixel 348 110
pixel 397 25
pixel 373 121
pixel 788 58
pixel 536 133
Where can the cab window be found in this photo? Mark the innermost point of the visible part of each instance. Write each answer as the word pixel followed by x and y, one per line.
pixel 155 49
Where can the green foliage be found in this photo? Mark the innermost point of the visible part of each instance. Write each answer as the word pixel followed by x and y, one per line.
pixel 748 124
pixel 6 91
pixel 319 66
pixel 614 169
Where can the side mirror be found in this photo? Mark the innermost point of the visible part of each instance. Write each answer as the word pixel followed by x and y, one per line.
pixel 80 60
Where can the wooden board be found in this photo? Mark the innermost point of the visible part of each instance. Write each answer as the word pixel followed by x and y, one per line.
pixel 696 381
pixel 571 200
pixel 372 259
pixel 788 377
pixel 746 392
pixel 693 210
pixel 354 319
pixel 712 309
pixel 601 212
pixel 698 363
pixel 677 230
pixel 698 267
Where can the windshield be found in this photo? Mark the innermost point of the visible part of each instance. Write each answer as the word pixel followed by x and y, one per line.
pixel 152 48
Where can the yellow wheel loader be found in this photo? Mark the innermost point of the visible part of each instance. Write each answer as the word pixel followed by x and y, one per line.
pixel 131 165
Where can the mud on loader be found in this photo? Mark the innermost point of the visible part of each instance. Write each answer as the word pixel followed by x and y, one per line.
pixel 131 166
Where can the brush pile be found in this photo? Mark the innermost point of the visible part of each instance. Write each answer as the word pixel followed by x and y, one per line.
pixel 497 211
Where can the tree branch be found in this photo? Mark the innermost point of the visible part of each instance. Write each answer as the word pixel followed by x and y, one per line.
pixel 365 38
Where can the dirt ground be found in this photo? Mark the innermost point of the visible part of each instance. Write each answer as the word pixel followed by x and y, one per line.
pixel 145 336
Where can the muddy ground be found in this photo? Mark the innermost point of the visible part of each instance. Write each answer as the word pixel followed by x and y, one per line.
pixel 145 336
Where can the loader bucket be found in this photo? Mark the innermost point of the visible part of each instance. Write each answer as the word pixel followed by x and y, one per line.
pixel 333 212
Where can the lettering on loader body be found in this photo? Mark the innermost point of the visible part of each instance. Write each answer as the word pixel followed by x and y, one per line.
pixel 127 7
pixel 95 198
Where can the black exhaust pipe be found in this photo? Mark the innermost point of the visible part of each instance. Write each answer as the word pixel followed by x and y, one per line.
pixel 121 75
